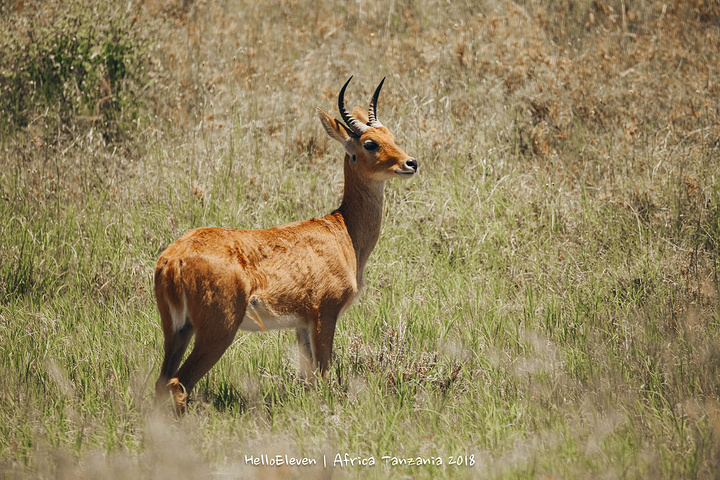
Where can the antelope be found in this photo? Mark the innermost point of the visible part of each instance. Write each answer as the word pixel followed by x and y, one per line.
pixel 302 275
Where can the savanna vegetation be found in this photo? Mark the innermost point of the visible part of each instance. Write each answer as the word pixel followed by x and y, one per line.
pixel 543 300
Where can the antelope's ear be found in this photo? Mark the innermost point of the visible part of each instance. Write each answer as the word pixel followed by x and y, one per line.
pixel 335 128
pixel 361 115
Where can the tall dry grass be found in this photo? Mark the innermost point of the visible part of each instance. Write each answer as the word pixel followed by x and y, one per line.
pixel 544 296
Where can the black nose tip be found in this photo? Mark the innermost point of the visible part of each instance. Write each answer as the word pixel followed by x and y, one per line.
pixel 412 163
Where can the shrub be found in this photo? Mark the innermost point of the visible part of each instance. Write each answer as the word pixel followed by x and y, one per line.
pixel 76 61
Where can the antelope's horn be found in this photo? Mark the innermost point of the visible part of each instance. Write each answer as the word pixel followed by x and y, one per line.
pixel 372 111
pixel 355 126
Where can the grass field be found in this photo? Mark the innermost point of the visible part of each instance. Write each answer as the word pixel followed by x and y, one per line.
pixel 543 301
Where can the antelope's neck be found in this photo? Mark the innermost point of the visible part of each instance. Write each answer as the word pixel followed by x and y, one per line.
pixel 361 208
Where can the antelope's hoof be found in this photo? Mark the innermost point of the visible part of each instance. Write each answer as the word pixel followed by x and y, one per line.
pixel 179 395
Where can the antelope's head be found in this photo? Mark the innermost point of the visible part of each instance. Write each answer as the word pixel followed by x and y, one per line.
pixel 370 148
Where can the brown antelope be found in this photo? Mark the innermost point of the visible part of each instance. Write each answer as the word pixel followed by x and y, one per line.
pixel 302 275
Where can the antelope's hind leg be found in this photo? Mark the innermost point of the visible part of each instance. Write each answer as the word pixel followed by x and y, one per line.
pixel 213 335
pixel 175 344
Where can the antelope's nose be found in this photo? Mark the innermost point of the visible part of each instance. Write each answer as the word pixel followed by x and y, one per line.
pixel 412 163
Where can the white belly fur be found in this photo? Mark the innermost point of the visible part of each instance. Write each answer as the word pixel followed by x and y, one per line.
pixel 259 317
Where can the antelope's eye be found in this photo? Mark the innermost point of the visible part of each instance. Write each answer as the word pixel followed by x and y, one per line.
pixel 371 145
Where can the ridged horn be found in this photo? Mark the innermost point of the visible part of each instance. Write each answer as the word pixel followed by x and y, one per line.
pixel 372 111
pixel 354 125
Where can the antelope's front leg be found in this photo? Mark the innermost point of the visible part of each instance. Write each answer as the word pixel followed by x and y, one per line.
pixel 306 354
pixel 322 334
